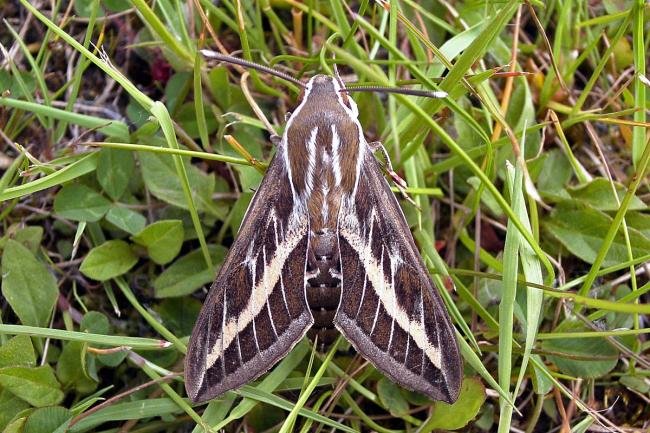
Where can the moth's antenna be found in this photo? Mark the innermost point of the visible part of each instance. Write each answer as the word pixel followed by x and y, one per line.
pixel 245 63
pixel 413 92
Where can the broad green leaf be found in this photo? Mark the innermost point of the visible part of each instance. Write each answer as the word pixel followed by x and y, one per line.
pixel 392 398
pixel 176 90
pixel 486 422
pixel 97 323
pixel 415 398
pixel 162 181
pixel 521 112
pixel 639 221
pixel 598 194
pixel 116 5
pixel 10 405
pixel 179 315
pixel 219 86
pixel 265 417
pixel 114 171
pixel 615 320
pixel 580 229
pixel 456 416
pixel 467 137
pixel 47 419
pixel 80 203
pixel 239 210
pixel 186 117
pixel 541 383
pixel 36 385
pixel 580 357
pixel 71 367
pixel 109 260
pixel 637 383
pixel 18 352
pixel 486 197
pixel 83 8
pixel 554 174
pixel 163 240
pixel 30 237
pixel 27 285
pixel 10 83
pixel 16 426
pixel 623 54
pixel 126 219
pixel 188 273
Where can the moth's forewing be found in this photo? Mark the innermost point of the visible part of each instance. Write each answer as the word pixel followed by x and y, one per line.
pixel 390 310
pixel 256 310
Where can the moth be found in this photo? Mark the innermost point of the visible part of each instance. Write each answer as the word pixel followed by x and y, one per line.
pixel 323 247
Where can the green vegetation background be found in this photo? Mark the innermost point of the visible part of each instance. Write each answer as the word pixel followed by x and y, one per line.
pixel 128 162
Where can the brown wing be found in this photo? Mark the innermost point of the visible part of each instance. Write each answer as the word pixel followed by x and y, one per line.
pixel 256 310
pixel 390 310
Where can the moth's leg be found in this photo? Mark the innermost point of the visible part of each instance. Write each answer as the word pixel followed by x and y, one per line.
pixel 399 182
pixel 378 146
pixel 275 139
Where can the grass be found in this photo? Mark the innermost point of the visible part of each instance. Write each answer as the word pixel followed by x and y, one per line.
pixel 128 161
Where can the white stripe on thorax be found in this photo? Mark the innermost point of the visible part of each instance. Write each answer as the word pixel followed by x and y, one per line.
pixel 353 113
pixel 336 157
pixel 284 143
pixel 311 161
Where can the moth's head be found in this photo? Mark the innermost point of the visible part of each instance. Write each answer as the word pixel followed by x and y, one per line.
pixel 324 89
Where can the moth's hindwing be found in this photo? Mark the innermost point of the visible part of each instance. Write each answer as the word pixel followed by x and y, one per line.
pixel 390 310
pixel 256 310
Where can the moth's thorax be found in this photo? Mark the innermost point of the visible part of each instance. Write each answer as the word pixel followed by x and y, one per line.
pixel 324 147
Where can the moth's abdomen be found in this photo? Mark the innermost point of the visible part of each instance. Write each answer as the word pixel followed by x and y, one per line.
pixel 323 286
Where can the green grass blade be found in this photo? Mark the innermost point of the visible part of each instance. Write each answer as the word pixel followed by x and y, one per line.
pixel 508 298
pixel 138 343
pixel 291 418
pixel 84 165
pixel 160 111
pixel 109 127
